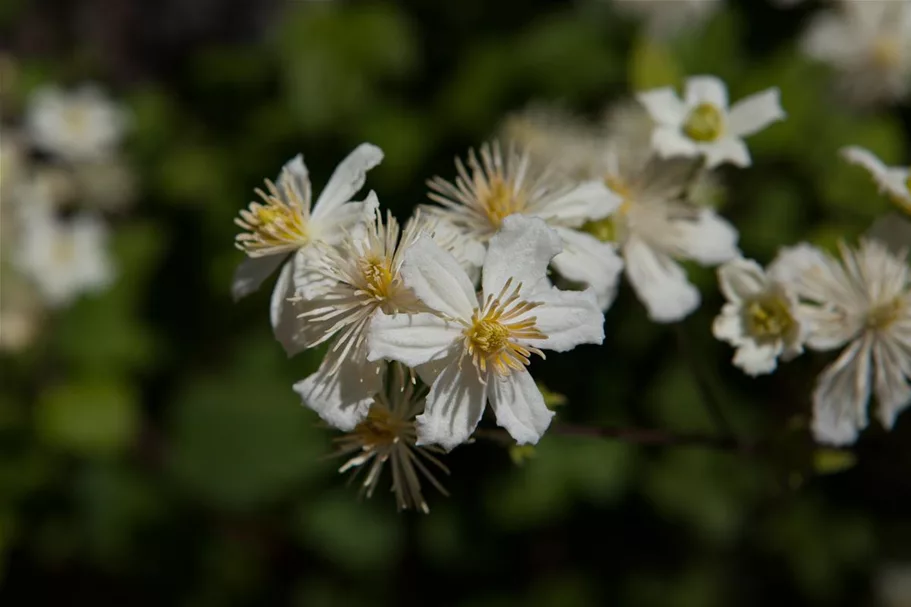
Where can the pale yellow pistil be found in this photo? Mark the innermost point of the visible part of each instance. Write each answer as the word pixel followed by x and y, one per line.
pixel 76 118
pixel 704 123
pixel 887 51
pixel 64 249
pixel 768 318
pixel 881 317
pixel 379 430
pixel 490 337
pixel 607 229
pixel 500 200
pixel 273 227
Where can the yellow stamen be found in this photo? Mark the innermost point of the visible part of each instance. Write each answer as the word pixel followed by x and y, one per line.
pixel 704 123
pixel 499 198
pixel 768 318
pixel 279 225
pixel 882 316
pixel 378 276
pixel 887 51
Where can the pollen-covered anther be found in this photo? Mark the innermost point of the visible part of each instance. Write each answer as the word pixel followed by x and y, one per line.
pixel 884 315
pixel 491 337
pixel 499 198
pixel 273 227
pixel 769 318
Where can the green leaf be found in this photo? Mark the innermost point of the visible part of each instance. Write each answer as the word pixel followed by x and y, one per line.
pixel 832 461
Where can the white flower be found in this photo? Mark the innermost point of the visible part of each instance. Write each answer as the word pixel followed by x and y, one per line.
pixel 283 228
pixel 760 318
pixel 13 162
pixel 64 259
pixel 665 18
pixel 869 43
pixel 476 348
pixel 702 125
pixel 78 125
pixel 496 186
pixel 896 181
pixel 863 301
pixel 388 434
pixel 892 585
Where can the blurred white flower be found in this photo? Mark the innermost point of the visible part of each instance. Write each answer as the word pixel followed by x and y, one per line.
pixel 63 258
pixel 760 318
pixel 869 43
pixel 495 187
pixel 21 311
pixel 13 164
pixel 388 434
pixel 283 229
pixel 863 301
pixel 473 349
pixel 78 125
pixel 895 181
pixel 702 124
pixel 666 18
pixel 893 585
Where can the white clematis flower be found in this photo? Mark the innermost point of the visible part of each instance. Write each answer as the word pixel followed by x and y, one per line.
pixel 494 187
pixel 863 301
pixel 869 43
pixel 666 18
pixel 895 181
pixel 474 349
pixel 79 125
pixel 760 318
pixel 702 125
pixel 284 229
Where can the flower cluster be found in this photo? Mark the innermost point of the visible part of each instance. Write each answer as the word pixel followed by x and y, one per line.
pixel 61 172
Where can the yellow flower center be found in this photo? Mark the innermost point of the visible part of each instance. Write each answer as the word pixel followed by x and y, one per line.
pixel 908 182
pixel 887 51
pixel 768 318
pixel 378 276
pixel 882 316
pixel 274 227
pixel 608 228
pixel 604 230
pixel 491 336
pixel 500 200
pixel 76 118
pixel 381 428
pixel 64 250
pixel 704 123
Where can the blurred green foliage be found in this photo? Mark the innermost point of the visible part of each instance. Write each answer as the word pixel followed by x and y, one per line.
pixel 152 451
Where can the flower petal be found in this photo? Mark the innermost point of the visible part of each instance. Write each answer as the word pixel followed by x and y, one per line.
pixel 454 406
pixel 728 326
pixel 865 158
pixel 295 180
pixel 519 406
pixel 669 141
pixel 342 395
pixel 587 260
pixel 252 273
pixel 892 362
pixel 754 113
pixel 706 89
pixel 660 282
pixel 282 313
pixel 589 201
pixel 521 250
pixel 347 179
pixel 568 319
pixel 709 239
pixel 336 226
pixel 741 279
pixel 437 279
pixel 663 105
pixel 728 149
pixel 841 396
pixel 412 339
pixel 757 358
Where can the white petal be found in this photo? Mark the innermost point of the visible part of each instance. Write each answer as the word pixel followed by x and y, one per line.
pixel 865 158
pixel 282 313
pixel 792 263
pixel 568 319
pixel 333 227
pixel 294 176
pixel 454 406
pixel 342 397
pixel 729 149
pixel 521 250
pixel 757 358
pixel 893 368
pixel 709 240
pixel 841 395
pixel 437 279
pixel 706 89
pixel 519 406
pixel 252 273
pixel 660 282
pixel 589 201
pixel 347 179
pixel 669 141
pixel 663 105
pixel 728 326
pixel 412 339
pixel 587 260
pixel 741 279
pixel 754 113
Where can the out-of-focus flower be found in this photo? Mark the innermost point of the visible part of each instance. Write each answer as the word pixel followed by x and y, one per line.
pixel 21 312
pixel 666 18
pixel 863 301
pixel 78 125
pixel 895 181
pixel 283 229
pixel 473 349
pixel 893 585
pixel 869 43
pixel 497 186
pixel 107 185
pixel 760 318
pixel 702 125
pixel 63 258
pixel 388 435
